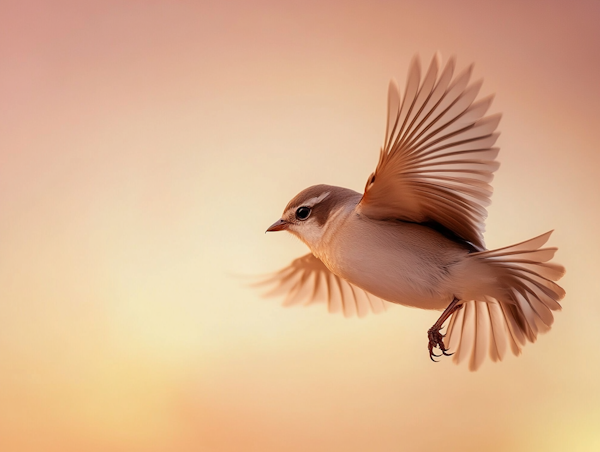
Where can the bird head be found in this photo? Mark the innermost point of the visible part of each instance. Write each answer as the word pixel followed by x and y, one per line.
pixel 308 215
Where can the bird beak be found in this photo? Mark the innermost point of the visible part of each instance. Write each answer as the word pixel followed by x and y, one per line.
pixel 279 225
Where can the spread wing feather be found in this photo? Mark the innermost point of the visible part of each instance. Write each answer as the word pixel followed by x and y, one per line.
pixel 438 156
pixel 307 280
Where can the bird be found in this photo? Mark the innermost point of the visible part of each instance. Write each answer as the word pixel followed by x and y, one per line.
pixel 414 237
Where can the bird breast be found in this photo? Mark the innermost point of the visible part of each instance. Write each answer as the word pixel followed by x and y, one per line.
pixel 400 262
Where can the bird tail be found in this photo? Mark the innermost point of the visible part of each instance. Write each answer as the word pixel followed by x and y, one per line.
pixel 520 310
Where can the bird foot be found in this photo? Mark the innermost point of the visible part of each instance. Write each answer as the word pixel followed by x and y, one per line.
pixel 436 340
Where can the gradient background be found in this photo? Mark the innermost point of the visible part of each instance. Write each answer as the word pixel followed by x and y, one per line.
pixel 146 146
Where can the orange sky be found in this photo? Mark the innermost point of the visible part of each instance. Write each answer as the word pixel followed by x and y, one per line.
pixel 145 148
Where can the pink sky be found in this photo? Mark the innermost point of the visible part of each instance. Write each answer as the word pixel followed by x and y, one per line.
pixel 146 146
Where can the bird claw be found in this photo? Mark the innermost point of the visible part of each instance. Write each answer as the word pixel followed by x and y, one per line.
pixel 436 340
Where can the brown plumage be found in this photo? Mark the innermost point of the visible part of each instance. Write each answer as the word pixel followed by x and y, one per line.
pixel 415 236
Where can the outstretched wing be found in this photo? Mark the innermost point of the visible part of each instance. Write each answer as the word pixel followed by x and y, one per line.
pixel 307 280
pixel 437 161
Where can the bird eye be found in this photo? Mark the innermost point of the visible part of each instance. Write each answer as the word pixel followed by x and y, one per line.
pixel 302 213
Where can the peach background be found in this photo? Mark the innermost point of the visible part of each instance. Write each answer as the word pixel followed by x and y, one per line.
pixel 146 146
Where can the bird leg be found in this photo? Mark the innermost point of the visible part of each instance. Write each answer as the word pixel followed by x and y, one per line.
pixel 436 339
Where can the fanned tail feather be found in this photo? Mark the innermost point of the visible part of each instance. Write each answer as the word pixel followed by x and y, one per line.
pixel 529 295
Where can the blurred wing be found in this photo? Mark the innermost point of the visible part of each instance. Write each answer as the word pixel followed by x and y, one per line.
pixel 437 161
pixel 307 280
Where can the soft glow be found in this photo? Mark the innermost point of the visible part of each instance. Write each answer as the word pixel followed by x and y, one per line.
pixel 146 147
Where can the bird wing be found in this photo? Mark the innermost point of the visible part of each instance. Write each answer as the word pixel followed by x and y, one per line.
pixel 437 161
pixel 308 280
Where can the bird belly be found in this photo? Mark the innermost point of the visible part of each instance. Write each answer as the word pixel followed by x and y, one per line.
pixel 403 263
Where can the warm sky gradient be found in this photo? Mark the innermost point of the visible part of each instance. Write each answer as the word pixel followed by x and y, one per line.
pixel 145 147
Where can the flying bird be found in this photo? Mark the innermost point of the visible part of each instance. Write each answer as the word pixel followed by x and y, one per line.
pixel 414 237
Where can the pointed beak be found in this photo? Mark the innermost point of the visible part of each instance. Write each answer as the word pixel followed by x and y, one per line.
pixel 279 225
